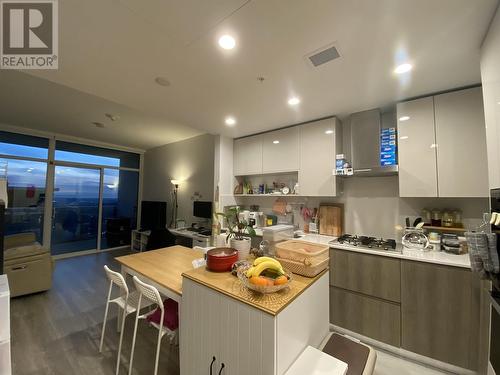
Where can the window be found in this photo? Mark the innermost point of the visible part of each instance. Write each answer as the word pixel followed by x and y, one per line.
pixel 21 145
pixel 84 154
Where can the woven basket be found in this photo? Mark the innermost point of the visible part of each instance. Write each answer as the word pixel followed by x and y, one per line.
pixel 303 269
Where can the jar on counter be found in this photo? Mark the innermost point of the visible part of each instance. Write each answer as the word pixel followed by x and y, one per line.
pixel 426 216
pixel 436 216
pixel 457 218
pixel 447 219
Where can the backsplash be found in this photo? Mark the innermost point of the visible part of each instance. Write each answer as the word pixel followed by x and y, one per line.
pixel 372 206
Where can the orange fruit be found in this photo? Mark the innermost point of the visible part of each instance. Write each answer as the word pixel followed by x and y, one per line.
pixel 259 280
pixel 280 280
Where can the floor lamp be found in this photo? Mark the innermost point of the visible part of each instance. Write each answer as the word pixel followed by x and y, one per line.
pixel 175 206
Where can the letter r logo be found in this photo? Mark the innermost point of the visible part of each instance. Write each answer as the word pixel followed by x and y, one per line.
pixel 27 27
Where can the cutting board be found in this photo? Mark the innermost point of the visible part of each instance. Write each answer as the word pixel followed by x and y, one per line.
pixel 331 219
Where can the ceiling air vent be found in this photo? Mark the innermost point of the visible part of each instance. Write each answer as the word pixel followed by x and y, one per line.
pixel 323 55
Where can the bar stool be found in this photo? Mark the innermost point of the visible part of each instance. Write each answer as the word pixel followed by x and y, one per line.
pixel 150 293
pixel 128 302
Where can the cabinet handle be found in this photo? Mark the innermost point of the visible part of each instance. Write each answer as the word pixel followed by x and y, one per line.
pixel 221 368
pixel 211 365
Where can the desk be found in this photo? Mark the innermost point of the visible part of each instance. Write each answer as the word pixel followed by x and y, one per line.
pixel 190 238
pixel 162 268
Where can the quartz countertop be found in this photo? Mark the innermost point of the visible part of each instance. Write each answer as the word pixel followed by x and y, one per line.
pixel 436 257
pixel 273 303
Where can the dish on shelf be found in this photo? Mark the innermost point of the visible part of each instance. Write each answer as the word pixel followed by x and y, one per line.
pixel 265 282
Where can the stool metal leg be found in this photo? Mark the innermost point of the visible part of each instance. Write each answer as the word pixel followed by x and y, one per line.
pixel 105 317
pixel 135 335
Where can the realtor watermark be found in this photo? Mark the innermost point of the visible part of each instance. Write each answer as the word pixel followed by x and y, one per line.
pixel 29 34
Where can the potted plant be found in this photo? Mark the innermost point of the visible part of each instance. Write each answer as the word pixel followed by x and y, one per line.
pixel 238 232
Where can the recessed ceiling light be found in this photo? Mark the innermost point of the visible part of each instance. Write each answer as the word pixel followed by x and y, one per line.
pixel 230 121
pixel 498 103
pixel 98 124
pixel 227 42
pixel 403 137
pixel 404 118
pixel 403 68
pixel 329 131
pixel 162 81
pixel 276 142
pixel 293 101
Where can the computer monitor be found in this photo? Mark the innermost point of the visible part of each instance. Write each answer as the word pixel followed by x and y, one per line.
pixel 202 209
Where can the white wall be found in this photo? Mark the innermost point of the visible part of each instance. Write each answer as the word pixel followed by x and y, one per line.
pixel 490 77
pixel 192 162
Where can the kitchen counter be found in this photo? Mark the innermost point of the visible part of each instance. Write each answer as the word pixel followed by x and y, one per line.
pixel 436 257
pixel 226 283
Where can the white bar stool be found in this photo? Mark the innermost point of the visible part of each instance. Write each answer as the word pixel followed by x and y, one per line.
pixel 128 302
pixel 150 293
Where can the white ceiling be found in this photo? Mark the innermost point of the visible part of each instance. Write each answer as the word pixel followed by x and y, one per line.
pixel 114 49
pixel 35 103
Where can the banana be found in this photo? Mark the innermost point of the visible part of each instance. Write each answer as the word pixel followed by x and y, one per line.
pixel 257 270
pixel 259 260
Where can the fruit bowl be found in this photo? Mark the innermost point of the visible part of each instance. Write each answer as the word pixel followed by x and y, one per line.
pixel 265 289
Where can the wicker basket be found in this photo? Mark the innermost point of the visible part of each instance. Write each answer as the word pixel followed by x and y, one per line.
pixel 303 269
pixel 307 253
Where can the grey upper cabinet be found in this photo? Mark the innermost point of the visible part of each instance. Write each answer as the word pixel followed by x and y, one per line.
pixel 318 141
pixel 247 154
pixel 442 146
pixel 417 149
pixel 280 151
pixel 461 153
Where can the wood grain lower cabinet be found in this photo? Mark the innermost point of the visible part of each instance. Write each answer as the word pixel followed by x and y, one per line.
pixel 440 312
pixel 373 275
pixel 372 317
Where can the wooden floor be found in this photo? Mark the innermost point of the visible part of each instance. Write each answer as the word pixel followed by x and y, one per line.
pixel 58 332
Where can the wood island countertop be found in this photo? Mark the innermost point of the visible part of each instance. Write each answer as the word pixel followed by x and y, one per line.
pixel 273 303
pixel 164 266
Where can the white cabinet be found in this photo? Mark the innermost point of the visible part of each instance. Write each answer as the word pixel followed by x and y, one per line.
pixel 216 326
pixel 461 152
pixel 417 152
pixel 5 360
pixel 248 341
pixel 247 156
pixel 280 151
pixel 317 150
pixel 442 146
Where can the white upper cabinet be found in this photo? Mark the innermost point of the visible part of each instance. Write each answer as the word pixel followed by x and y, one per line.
pixel 280 151
pixel 417 149
pixel 318 142
pixel 461 152
pixel 442 146
pixel 247 155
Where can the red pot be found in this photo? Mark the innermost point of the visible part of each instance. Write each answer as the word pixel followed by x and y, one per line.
pixel 221 259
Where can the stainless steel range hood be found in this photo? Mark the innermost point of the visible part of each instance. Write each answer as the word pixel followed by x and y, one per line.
pixel 362 144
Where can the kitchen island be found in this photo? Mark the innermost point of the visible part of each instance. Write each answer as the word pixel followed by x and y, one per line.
pixel 229 329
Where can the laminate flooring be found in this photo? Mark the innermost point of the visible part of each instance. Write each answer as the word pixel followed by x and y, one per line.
pixel 58 332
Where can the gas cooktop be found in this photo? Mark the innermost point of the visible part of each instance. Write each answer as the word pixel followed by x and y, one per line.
pixel 368 242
